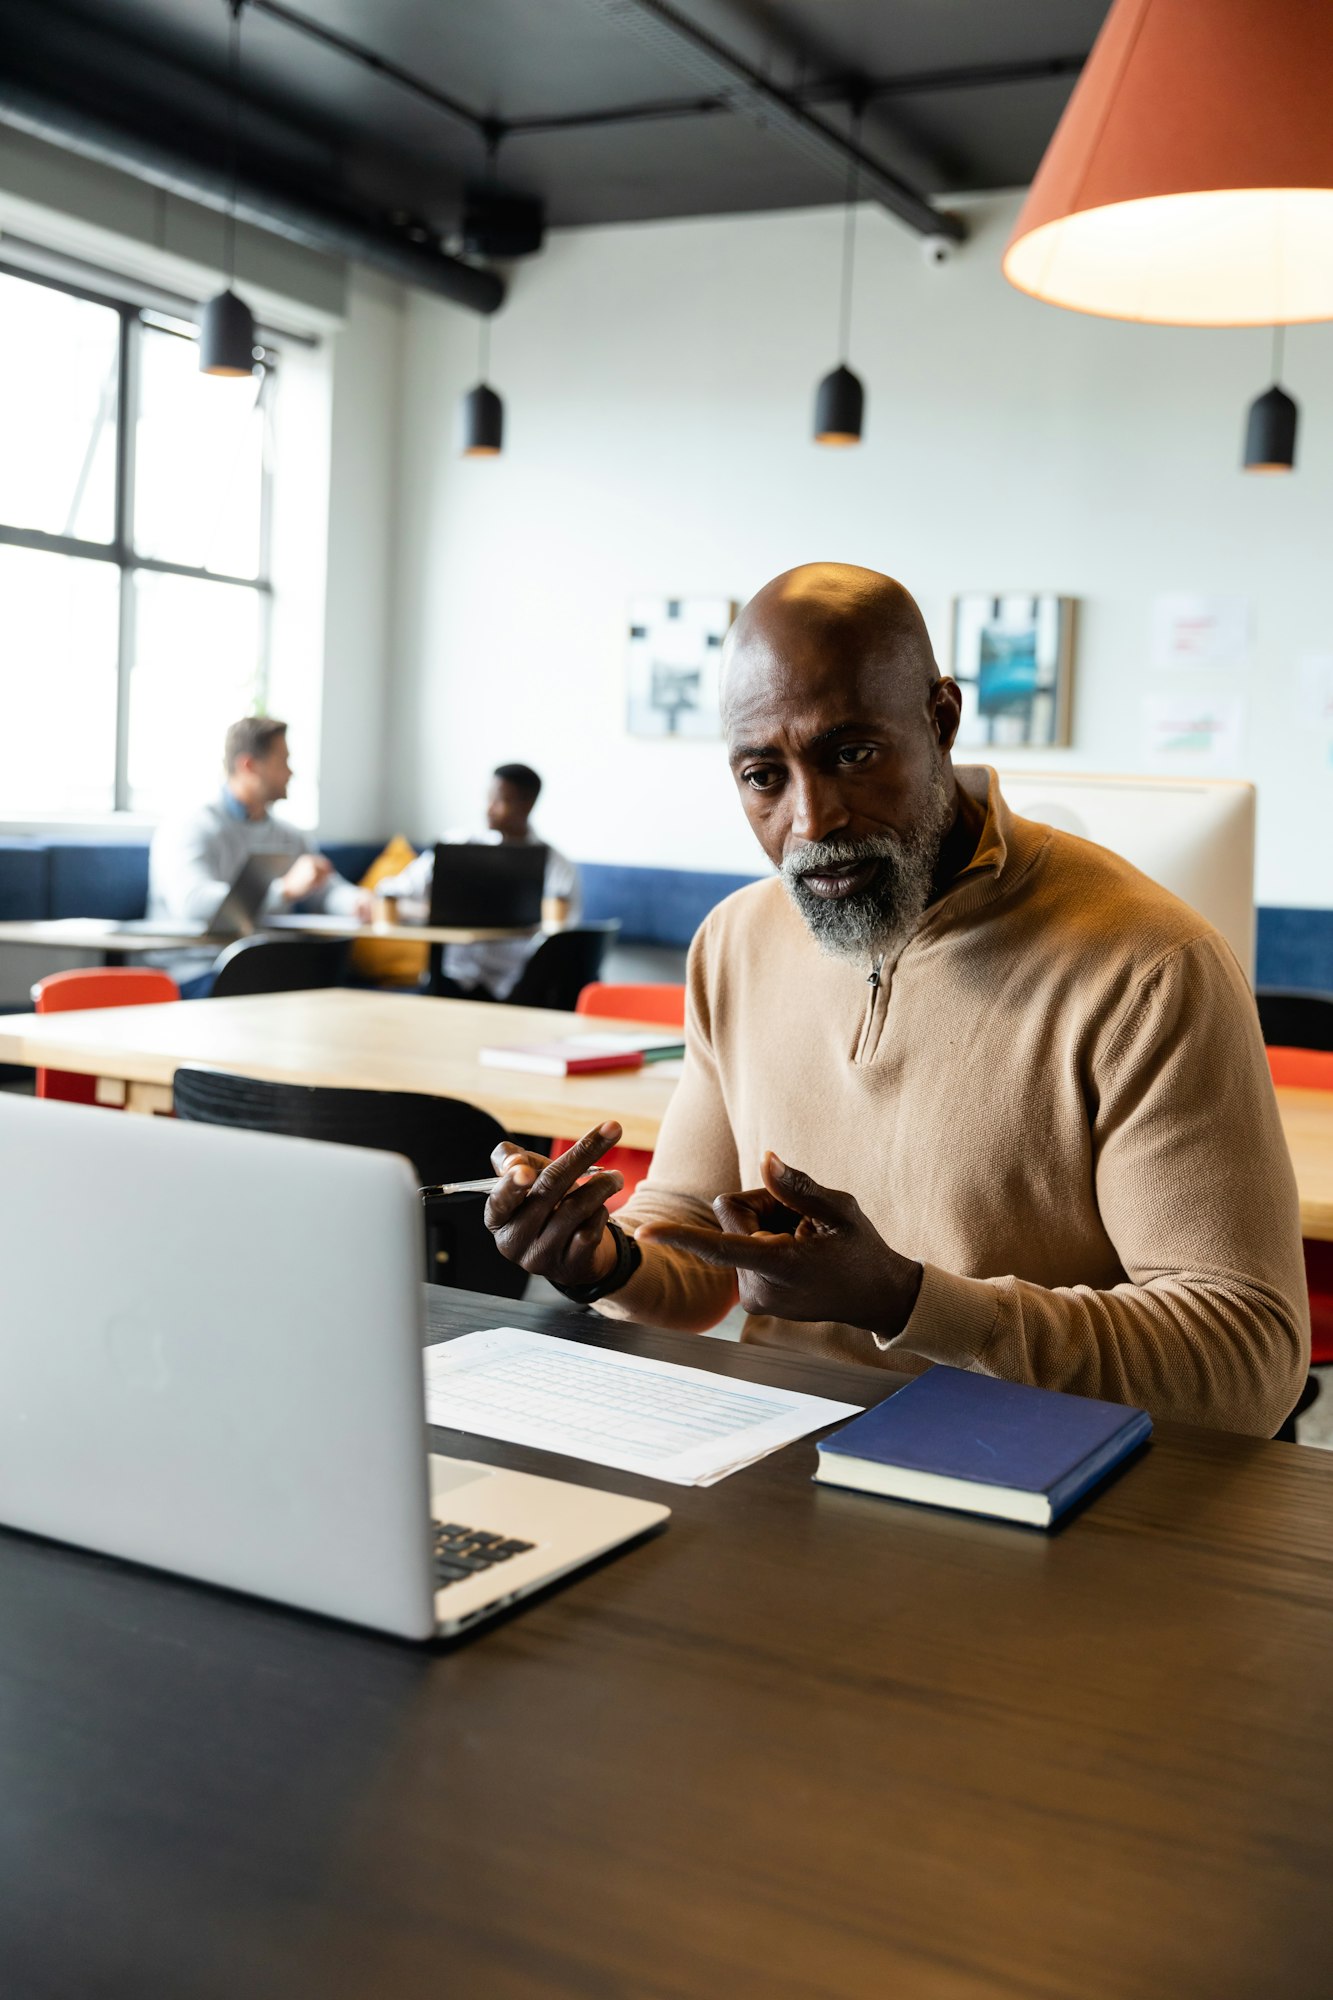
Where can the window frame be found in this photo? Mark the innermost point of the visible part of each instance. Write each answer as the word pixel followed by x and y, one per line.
pixel 120 551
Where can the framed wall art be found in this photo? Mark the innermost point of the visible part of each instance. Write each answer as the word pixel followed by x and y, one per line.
pixel 1013 658
pixel 674 665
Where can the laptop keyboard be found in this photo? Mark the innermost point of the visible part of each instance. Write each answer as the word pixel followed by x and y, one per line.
pixel 461 1552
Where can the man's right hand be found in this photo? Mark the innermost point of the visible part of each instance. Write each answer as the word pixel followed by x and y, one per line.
pixel 547 1221
pixel 304 876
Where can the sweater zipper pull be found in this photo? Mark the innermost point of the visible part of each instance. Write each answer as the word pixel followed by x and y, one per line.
pixel 872 977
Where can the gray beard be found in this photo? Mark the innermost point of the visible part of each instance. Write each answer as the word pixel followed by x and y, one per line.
pixel 878 920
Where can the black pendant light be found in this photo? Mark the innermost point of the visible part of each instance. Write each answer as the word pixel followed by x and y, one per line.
pixel 1270 428
pixel 840 401
pixel 226 324
pixel 482 411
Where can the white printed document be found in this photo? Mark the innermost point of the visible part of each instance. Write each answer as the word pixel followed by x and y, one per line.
pixel 652 1417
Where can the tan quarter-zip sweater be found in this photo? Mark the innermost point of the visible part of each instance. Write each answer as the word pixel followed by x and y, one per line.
pixel 1057 1100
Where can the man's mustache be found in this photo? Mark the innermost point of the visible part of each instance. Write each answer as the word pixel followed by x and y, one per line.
pixel 819 855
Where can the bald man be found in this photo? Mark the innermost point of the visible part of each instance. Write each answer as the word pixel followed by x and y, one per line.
pixel 958 1087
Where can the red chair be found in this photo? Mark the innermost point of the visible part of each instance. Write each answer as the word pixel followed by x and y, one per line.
pixel 665 1004
pixel 1312 1069
pixel 103 986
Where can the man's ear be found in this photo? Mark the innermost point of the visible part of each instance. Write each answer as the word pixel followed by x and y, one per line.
pixel 946 711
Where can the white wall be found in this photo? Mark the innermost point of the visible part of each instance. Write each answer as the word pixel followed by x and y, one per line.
pixel 362 518
pixel 658 385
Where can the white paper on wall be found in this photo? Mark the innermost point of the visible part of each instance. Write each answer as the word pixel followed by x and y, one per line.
pixel 1315 674
pixel 1190 631
pixel 1205 731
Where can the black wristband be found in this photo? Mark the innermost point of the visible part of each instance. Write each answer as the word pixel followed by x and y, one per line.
pixel 628 1259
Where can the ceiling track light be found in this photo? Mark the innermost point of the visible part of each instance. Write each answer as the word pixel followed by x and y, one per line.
pixel 840 400
pixel 1270 427
pixel 226 324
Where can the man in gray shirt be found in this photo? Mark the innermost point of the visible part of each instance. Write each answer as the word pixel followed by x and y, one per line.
pixel 194 861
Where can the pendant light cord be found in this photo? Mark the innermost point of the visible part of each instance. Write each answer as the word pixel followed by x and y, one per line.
pixel 1278 332
pixel 493 137
pixel 233 133
pixel 849 236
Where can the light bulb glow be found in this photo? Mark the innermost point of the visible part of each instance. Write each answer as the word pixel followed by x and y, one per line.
pixel 1234 257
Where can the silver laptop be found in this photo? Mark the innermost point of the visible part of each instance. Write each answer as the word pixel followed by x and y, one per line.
pixel 237 915
pixel 210 1344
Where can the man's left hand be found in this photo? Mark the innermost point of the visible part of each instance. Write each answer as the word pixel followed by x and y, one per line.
pixel 801 1252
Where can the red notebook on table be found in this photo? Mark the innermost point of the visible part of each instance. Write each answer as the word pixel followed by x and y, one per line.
pixel 580 1055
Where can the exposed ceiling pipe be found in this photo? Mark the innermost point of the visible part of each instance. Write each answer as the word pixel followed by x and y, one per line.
pixel 832 90
pixel 300 219
pixel 711 62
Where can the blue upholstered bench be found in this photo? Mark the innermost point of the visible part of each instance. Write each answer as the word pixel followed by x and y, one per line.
pixel 98 878
pixel 1295 950
pixel 660 906
pixel 654 905
pixel 106 878
pixel 667 905
pixel 25 873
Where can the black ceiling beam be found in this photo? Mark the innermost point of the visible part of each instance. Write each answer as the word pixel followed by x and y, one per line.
pixel 785 108
pixel 357 52
pixel 619 114
pixel 302 218
pixel 752 94
pixel 926 82
pixel 921 83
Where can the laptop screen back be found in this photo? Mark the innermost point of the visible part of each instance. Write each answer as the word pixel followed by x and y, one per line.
pixel 217 1370
pixel 487 887
pixel 245 899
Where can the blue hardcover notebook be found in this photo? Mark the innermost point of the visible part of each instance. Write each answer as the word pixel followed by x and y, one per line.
pixel 951 1439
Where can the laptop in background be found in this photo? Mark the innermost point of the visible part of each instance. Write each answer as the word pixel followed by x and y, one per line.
pixel 238 912
pixel 484 886
pixel 251 1415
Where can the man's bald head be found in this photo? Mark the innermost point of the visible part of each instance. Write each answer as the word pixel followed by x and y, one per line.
pixel 825 613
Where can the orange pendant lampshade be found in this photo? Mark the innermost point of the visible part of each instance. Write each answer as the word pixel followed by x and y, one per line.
pixel 1190 181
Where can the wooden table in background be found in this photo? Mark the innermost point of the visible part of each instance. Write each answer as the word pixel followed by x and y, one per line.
pixel 398 1041
pixel 105 934
pixel 803 1745
pixel 351 1039
pixel 1307 1120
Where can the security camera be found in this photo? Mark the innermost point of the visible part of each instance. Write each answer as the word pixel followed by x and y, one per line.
pixel 937 249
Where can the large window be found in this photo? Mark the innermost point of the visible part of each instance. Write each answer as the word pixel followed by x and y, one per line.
pixel 134 575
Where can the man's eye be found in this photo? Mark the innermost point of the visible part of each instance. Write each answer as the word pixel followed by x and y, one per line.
pixel 854 753
pixel 762 778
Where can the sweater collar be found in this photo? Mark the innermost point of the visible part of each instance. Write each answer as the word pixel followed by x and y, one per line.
pixel 1006 849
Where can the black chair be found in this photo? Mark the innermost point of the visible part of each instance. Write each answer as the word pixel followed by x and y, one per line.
pixel 1295 1020
pixel 444 1139
pixel 562 965
pixel 278 965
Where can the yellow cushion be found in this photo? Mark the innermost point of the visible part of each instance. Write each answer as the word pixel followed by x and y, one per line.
pixel 385 960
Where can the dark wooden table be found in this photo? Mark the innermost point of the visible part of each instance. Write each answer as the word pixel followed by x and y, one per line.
pixel 804 1743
